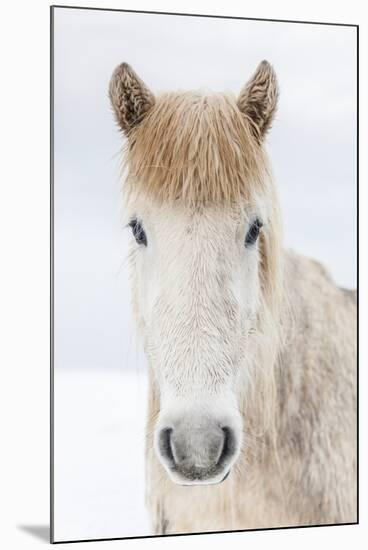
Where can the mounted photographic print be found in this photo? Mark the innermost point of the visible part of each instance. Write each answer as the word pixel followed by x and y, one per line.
pixel 204 264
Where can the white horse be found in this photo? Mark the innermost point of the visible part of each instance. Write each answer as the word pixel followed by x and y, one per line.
pixel 251 348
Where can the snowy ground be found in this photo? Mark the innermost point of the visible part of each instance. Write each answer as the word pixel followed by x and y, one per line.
pixel 99 454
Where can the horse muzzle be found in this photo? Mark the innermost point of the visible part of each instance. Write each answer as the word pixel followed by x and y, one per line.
pixel 197 451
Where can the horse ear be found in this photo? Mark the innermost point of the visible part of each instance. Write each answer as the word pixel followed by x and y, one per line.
pixel 129 96
pixel 258 99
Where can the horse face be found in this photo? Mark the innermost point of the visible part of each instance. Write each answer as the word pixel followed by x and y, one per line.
pixel 196 291
pixel 198 282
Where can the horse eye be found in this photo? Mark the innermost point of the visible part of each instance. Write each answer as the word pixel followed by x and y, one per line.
pixel 138 232
pixel 253 232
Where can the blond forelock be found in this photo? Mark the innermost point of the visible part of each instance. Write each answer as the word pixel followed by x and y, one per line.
pixel 196 148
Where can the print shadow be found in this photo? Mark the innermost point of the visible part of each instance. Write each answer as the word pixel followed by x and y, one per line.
pixel 42 532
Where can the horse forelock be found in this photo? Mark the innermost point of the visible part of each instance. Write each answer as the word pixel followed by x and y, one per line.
pixel 195 148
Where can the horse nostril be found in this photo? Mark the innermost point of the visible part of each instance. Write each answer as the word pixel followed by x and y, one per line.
pixel 164 444
pixel 228 446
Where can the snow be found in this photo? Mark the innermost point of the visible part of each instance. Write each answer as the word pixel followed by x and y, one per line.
pixel 99 454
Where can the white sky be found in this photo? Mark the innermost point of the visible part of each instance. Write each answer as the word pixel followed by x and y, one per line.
pixel 312 148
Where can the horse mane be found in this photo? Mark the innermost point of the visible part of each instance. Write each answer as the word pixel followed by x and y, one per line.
pixel 195 148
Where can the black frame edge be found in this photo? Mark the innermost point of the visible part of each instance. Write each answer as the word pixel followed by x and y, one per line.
pixel 51 274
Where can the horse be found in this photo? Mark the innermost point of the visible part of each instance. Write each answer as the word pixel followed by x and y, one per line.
pixel 251 347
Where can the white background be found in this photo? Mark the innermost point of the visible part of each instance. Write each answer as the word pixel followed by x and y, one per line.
pixel 24 283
